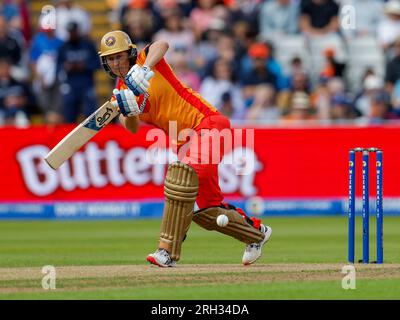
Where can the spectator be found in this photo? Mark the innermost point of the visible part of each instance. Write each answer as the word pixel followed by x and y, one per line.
pixel 117 10
pixel 244 37
pixel 161 9
pixel 298 79
pixel 115 15
pixel 341 108
pixel 389 28
pixel 175 33
pixel 43 62
pixel 321 97
pixel 300 109
pixel 15 97
pixel 202 16
pixel 185 6
pixel 263 107
pixel 76 64
pixel 9 46
pixel 273 66
pixel 336 85
pixel 25 20
pixel 299 82
pixel 372 85
pixel 68 12
pixel 257 73
pixel 138 23
pixel 205 50
pixel 226 49
pixel 393 68
pixel 247 10
pixel 10 12
pixel 395 98
pixel 368 15
pixel 319 17
pixel 278 17
pixel 380 109
pixel 367 72
pixel 221 90
pixel 332 68
pixel 180 64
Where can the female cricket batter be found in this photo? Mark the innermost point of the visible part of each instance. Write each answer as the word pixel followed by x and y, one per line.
pixel 147 90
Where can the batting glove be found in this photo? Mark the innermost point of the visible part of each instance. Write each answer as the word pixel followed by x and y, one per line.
pixel 138 78
pixel 126 102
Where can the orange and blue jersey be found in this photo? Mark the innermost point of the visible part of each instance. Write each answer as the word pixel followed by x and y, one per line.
pixel 169 99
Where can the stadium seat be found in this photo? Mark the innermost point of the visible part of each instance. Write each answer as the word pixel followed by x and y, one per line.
pixel 362 45
pixel 289 46
pixel 364 53
pixel 331 41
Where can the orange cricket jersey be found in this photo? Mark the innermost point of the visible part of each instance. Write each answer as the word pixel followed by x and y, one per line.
pixel 170 100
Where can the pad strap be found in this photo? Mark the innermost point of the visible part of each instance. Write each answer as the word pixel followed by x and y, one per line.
pixel 237 227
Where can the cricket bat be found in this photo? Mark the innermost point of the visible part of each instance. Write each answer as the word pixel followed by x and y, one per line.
pixel 81 134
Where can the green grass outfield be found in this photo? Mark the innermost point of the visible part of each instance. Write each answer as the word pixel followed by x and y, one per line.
pixel 302 260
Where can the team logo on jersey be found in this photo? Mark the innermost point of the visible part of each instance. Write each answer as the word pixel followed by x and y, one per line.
pixel 110 41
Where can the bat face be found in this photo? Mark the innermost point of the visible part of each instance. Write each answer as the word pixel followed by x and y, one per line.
pixel 81 134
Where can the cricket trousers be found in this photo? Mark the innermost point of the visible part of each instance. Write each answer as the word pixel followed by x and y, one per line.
pixel 203 153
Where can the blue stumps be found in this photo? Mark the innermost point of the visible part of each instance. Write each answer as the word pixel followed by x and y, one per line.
pixel 365 205
pixel 351 212
pixel 379 207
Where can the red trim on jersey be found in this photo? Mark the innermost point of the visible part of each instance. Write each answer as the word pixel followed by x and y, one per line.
pixel 183 92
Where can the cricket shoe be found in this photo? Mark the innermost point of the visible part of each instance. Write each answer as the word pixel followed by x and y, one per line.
pixel 161 258
pixel 253 250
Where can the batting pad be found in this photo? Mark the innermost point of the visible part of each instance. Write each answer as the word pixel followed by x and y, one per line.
pixel 237 227
pixel 180 189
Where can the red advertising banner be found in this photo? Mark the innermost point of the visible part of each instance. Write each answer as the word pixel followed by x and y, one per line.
pixel 289 163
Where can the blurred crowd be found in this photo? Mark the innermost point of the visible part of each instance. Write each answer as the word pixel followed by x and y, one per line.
pixel 226 50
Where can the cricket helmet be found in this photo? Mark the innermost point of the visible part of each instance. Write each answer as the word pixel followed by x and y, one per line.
pixel 114 42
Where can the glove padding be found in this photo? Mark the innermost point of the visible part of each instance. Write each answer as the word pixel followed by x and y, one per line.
pixel 127 103
pixel 138 78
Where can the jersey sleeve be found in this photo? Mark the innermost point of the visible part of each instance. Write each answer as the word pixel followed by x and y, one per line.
pixel 142 55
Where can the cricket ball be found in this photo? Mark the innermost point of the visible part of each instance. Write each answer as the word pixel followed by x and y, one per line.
pixel 222 220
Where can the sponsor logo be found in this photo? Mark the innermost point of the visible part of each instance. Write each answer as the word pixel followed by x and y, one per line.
pixel 143 103
pixel 111 165
pixel 102 119
pixel 110 41
pixel 98 122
